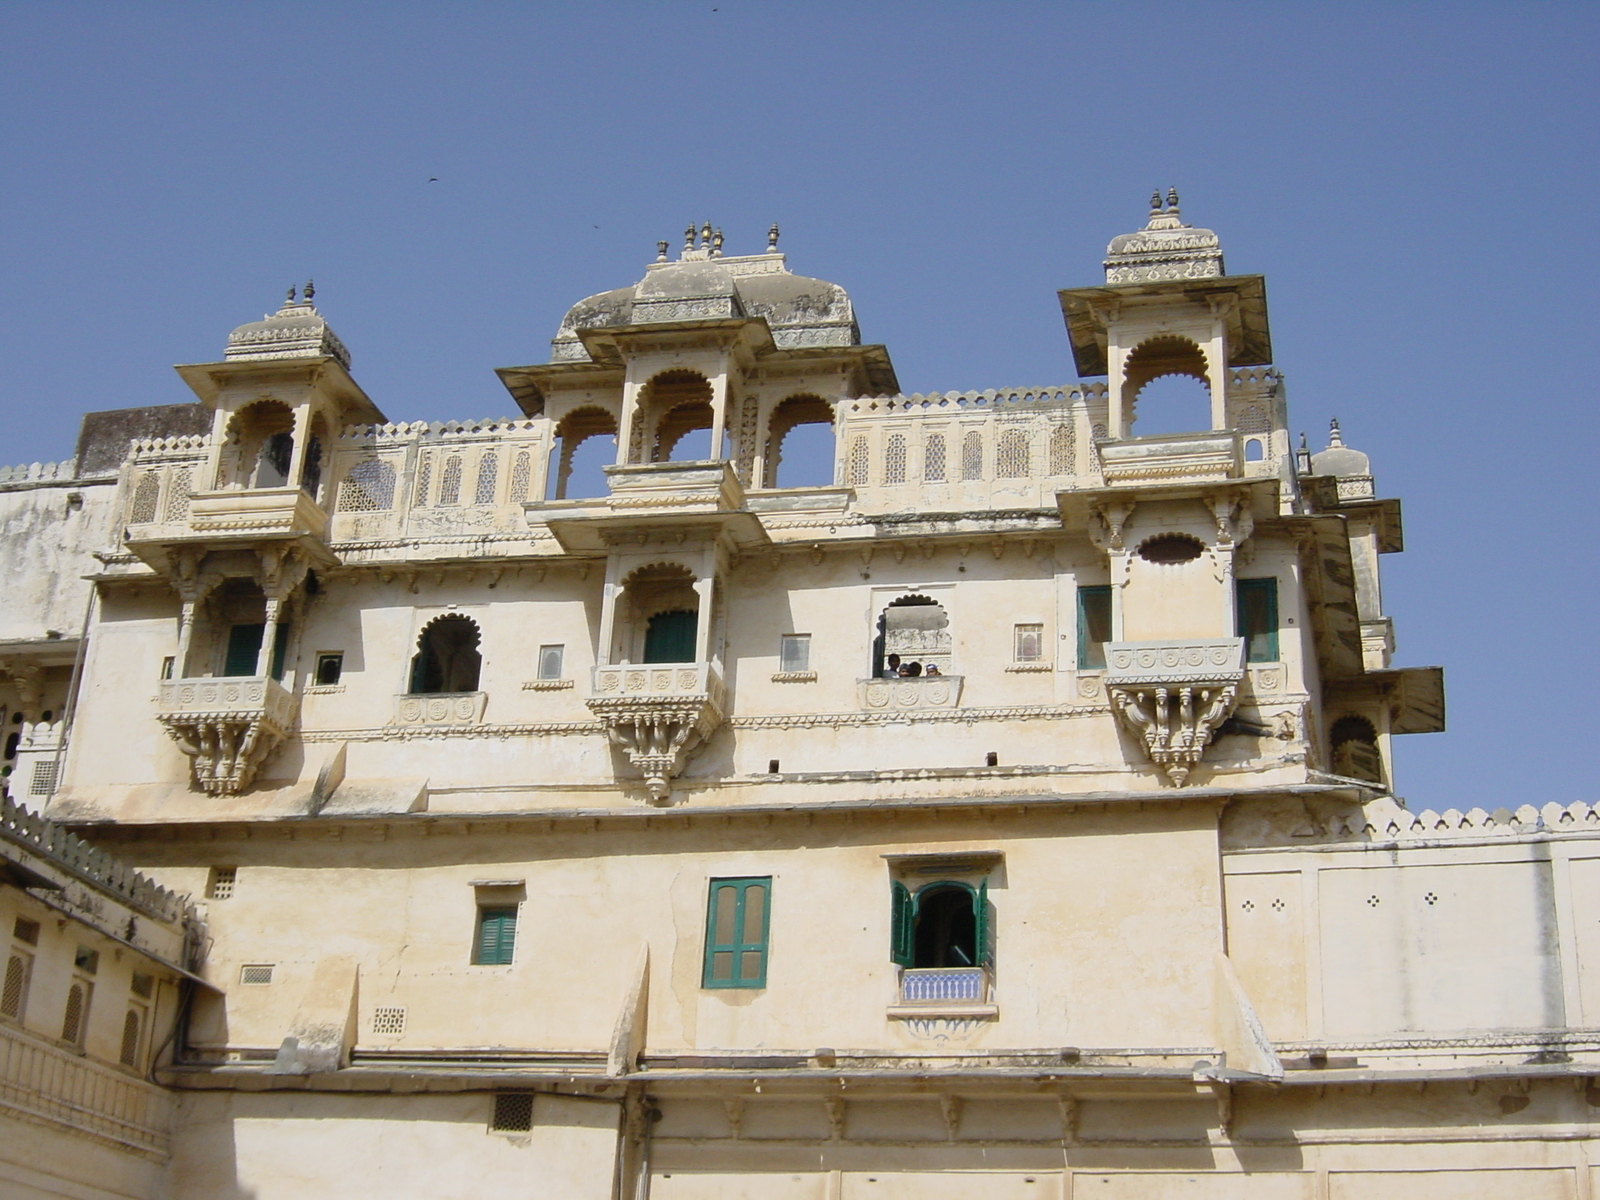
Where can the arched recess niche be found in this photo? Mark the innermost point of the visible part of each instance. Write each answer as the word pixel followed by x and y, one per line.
pixel 673 405
pixel 914 628
pixel 447 659
pixel 661 618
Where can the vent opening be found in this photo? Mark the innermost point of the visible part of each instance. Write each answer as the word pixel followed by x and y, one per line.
pixel 220 885
pixel 388 1020
pixel 513 1112
pixel 26 931
pixel 256 973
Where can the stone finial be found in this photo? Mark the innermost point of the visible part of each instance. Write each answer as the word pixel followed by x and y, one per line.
pixel 1172 200
pixel 1335 438
pixel 309 291
pixel 716 244
pixel 1155 202
pixel 1165 249
pixel 289 299
pixel 705 235
pixel 688 237
pixel 661 252
pixel 772 240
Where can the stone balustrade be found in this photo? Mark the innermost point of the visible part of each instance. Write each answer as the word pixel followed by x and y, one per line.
pixel 41 1082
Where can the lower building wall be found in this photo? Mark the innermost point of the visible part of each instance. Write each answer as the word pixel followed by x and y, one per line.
pixel 292 1146
pixel 41 1161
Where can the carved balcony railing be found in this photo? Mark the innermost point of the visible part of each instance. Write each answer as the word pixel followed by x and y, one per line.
pixel 1174 694
pixel 252 511
pixel 1172 458
pixel 658 714
pixel 45 1084
pixel 944 985
pixel 921 692
pixel 439 710
pixel 227 726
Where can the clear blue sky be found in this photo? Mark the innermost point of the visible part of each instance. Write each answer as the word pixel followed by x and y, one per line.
pixel 1415 180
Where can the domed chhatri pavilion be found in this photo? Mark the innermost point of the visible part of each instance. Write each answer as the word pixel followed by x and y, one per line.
pixel 1009 812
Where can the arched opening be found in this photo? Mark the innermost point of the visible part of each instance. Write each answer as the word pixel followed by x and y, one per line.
pixel 1354 742
pixel 800 444
pixel 666 613
pixel 1253 450
pixel 1171 549
pixel 259 448
pixel 1166 388
pixel 447 658
pixel 671 406
pixel 586 444
pixel 945 926
pixel 913 639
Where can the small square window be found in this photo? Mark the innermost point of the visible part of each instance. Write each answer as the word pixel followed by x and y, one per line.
pixel 220 885
pixel 143 985
pixel 256 974
pixel 794 652
pixel 552 660
pixel 25 930
pixel 330 669
pixel 513 1112
pixel 86 960
pixel 1028 643
pixel 388 1020
pixel 167 665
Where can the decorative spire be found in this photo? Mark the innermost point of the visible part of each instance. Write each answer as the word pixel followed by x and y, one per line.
pixel 289 299
pixel 688 237
pixel 1172 200
pixel 661 252
pixel 309 290
pixel 1155 202
pixel 716 244
pixel 1335 438
pixel 772 240
pixel 705 235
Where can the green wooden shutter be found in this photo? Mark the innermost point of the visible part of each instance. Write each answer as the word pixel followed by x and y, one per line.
pixel 497 937
pixel 670 637
pixel 1094 626
pixel 980 923
pixel 902 927
pixel 280 648
pixel 1256 619
pixel 738 918
pixel 244 649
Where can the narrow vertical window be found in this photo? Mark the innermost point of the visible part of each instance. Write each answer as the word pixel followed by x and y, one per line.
pixel 1027 643
pixel 551 661
pixel 736 933
pixel 330 669
pixel 972 455
pixel 1094 627
pixel 244 649
pixel 894 459
pixel 132 1030
pixel 794 652
pixel 1257 619
pixel 77 1014
pixel 497 937
pixel 933 458
pixel 14 995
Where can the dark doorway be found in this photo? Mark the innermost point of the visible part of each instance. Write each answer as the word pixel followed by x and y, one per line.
pixel 669 638
pixel 447 657
pixel 946 931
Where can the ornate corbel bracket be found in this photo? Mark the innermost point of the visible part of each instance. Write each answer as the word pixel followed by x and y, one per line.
pixel 227 727
pixel 1111 517
pixel 1174 695
pixel 658 715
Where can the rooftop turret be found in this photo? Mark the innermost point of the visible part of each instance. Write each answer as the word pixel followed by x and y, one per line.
pixel 1165 248
pixel 296 330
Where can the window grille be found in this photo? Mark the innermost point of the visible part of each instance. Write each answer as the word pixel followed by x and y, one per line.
pixel 369 487
pixel 1011 460
pixel 972 455
pixel 737 918
pixel 132 1027
pixel 145 497
pixel 894 459
pixel 43 780
pixel 388 1020
pixel 15 989
pixel 424 481
pixel 858 462
pixel 450 481
pixel 497 937
pixel 1254 420
pixel 86 960
pixel 72 1022
pixel 143 985
pixel 513 1112
pixel 521 477
pixel 488 469
pixel 178 493
pixel 26 931
pixel 1063 451
pixel 551 661
pixel 256 974
pixel 1028 643
pixel 794 652
pixel 220 885
pixel 933 458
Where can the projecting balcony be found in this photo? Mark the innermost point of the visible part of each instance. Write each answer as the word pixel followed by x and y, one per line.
pixel 61 1090
pixel 227 726
pixel 658 713
pixel 910 693
pixel 945 992
pixel 251 511
pixel 1174 694
pixel 1172 458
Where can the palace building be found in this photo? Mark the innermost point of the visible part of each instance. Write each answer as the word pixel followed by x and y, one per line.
pixel 1009 813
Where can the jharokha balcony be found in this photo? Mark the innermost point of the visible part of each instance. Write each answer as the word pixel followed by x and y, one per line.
pixel 658 714
pixel 227 726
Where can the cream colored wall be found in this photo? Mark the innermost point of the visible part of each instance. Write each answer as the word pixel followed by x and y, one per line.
pixel 286 1146
pixel 38 1162
pixel 47 542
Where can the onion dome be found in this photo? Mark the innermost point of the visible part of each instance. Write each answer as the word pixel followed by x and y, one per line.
pixel 296 330
pixel 1351 467
pixel 702 285
pixel 1165 248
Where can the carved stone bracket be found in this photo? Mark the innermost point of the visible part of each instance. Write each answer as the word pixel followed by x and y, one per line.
pixel 658 715
pixel 227 727
pixel 1174 694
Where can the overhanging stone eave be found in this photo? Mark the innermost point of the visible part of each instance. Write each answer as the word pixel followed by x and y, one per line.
pixel 1249 337
pixel 608 343
pixel 156 553
pixel 871 362
pixel 207 380
pixel 529 385
pixel 597 530
pixel 1076 505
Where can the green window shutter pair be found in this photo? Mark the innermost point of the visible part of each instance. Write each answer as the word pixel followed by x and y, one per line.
pixel 244 649
pixel 1094 626
pixel 903 923
pixel 669 637
pixel 497 937
pixel 1256 606
pixel 738 916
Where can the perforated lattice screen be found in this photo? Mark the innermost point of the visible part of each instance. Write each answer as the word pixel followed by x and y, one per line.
pixel 894 459
pixel 1011 462
pixel 933 458
pixel 521 476
pixel 72 1022
pixel 257 973
pixel 388 1020
pixel 131 1026
pixel 513 1112
pixel 16 982
pixel 488 471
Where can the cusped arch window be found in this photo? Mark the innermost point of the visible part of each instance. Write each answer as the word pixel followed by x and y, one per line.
pixel 800 444
pixel 1171 549
pixel 260 446
pixel 1167 387
pixel 447 657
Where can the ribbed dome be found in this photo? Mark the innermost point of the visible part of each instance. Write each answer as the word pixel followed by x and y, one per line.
pixel 701 286
pixel 296 330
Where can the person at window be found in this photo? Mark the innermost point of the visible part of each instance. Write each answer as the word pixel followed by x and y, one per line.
pixel 891 666
pixel 914 670
pixel 933 669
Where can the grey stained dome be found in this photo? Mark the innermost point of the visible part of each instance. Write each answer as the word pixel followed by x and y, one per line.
pixel 701 285
pixel 1165 248
pixel 1339 459
pixel 296 330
